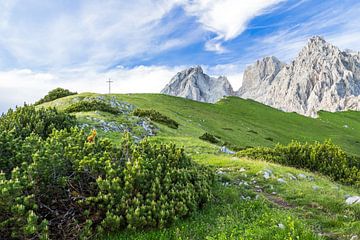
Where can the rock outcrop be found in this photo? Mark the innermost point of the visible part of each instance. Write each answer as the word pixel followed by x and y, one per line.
pixel 321 77
pixel 194 84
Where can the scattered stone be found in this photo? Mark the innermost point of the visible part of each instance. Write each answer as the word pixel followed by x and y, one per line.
pixel 274 193
pixel 246 198
pixel 281 226
pixel 292 177
pixel 280 180
pixel 266 175
pixel 301 176
pixel 225 184
pixel 347 196
pixel 315 188
pixel 346 126
pixel 243 183
pixel 353 200
pixel 311 178
pixel 224 149
pixel 242 170
pixel 354 237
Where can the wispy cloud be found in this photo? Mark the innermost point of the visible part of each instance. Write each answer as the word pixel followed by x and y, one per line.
pixel 338 26
pixel 84 33
pixel 226 18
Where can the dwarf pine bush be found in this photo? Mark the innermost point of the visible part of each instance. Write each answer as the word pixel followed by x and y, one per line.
pixel 55 94
pixel 156 117
pixel 27 122
pixel 326 158
pixel 66 188
pixel 92 105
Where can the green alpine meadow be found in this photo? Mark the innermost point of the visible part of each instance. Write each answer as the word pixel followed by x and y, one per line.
pixel 180 120
pixel 152 166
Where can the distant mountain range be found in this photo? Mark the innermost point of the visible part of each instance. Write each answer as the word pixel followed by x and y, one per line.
pixel 321 77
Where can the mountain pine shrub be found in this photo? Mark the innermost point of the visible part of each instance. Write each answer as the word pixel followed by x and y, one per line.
pixel 92 105
pixel 69 188
pixel 27 122
pixel 210 138
pixel 156 117
pixel 326 158
pixel 55 94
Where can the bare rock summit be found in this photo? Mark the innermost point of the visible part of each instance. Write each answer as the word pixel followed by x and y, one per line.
pixel 193 83
pixel 321 77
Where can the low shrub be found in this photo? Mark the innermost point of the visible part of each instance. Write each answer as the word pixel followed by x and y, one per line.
pixel 156 117
pixel 210 138
pixel 70 188
pixel 92 105
pixel 55 94
pixel 23 122
pixel 269 139
pixel 326 158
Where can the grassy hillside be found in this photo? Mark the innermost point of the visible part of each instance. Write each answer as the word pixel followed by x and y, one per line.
pixel 238 121
pixel 246 205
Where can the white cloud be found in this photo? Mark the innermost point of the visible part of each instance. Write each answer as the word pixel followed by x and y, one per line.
pixel 86 33
pixel 226 18
pixel 23 85
pixel 339 26
pixel 233 72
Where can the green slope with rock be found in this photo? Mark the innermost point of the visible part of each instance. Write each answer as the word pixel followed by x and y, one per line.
pixel 237 122
pixel 253 199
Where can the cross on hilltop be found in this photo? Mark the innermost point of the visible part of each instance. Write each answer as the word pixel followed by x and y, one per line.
pixel 109 81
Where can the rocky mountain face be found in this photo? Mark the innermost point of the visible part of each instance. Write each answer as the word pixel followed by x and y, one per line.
pixel 193 83
pixel 259 76
pixel 321 77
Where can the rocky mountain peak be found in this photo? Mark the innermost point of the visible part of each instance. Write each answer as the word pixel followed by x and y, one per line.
pixel 194 70
pixel 193 83
pixel 261 73
pixel 317 48
pixel 321 77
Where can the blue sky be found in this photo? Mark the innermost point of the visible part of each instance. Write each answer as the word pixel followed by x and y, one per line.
pixel 141 44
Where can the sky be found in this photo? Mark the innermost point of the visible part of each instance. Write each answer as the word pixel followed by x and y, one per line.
pixel 141 44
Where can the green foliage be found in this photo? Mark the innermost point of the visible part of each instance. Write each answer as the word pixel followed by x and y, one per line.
pixel 210 138
pixel 55 94
pixel 70 188
pixel 93 105
pixel 326 158
pixel 156 117
pixel 217 140
pixel 25 120
pixel 27 123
